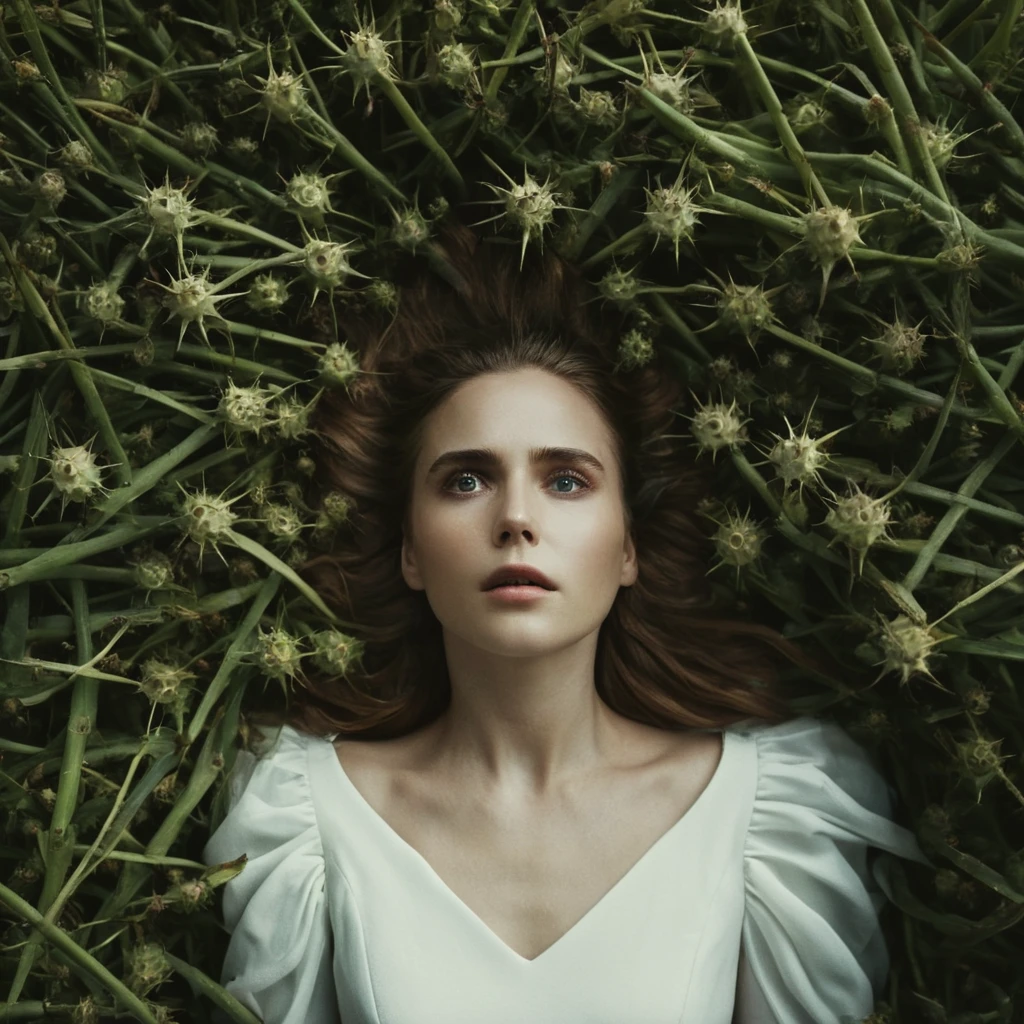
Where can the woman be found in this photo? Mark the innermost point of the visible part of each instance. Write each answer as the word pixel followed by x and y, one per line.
pixel 586 800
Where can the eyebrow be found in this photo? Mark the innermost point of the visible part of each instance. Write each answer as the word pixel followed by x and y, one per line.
pixel 489 457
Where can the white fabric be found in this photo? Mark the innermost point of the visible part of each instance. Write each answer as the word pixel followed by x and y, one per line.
pixel 759 906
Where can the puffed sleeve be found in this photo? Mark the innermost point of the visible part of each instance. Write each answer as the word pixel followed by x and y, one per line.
pixel 278 961
pixel 812 947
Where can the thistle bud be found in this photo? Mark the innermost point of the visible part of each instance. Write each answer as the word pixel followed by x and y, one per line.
pixel 336 652
pixel 382 295
pixel 798 458
pixel 267 293
pixel 147 967
pixel 716 426
pixel 365 58
pixel 723 25
pixel 245 409
pixel 859 521
pixel 830 233
pixel 85 1011
pixel 620 286
pixel 979 758
pixel 75 473
pixel 244 146
pixel 168 210
pixel 283 95
pixel 278 654
pixel 154 572
pixel 291 418
pixel 529 207
pixel 738 540
pixel 38 250
pixel 282 521
pixel 336 508
pixel 338 364
pixel 102 302
pixel 906 646
pixel 744 308
pixel 206 517
pixel 310 194
pixel 671 214
pixel 635 349
pixel 26 70
pixel 900 346
pixel 410 230
pixel 163 683
pixel 671 89
pixel 456 66
pixel 51 187
pixel 199 138
pixel 327 263
pixel 110 86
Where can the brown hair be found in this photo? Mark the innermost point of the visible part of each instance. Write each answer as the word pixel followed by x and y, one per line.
pixel 663 658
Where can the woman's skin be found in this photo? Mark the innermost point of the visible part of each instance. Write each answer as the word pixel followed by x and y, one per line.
pixel 525 720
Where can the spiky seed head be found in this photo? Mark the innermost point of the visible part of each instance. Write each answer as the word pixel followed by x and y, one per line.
pixel 456 65
pixel 830 233
pixel 283 95
pixel 672 214
pixel 336 508
pixel 51 187
pixel 744 308
pixel 382 294
pixel 672 89
pixel 206 517
pixel 635 349
pixel 905 646
pixel 279 654
pixel 366 59
pixel 446 16
pixel 978 757
pixel 147 967
pixel 102 302
pixel 309 193
pixel 162 682
pixel 965 256
pixel 941 142
pixel 620 286
pixel 723 25
pixel 596 106
pixel 191 298
pixel 75 473
pixel 327 263
pixel 900 345
pixel 86 1010
pixel 244 146
pixel 199 138
pixel 281 520
pixel 716 426
pixel 336 652
pixel 338 364
pixel 168 210
pixel 291 418
pixel 529 207
pixel 154 571
pixel 806 115
pixel 267 293
pixel 858 520
pixel 245 409
pixel 799 457
pixel 738 540
pixel 38 249
pixel 410 229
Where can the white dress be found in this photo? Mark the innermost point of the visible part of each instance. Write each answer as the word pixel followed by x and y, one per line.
pixel 759 906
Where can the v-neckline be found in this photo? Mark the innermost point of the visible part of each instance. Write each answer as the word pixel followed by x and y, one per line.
pixel 703 800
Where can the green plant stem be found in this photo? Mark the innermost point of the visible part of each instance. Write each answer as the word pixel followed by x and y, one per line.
pixel 782 126
pixel 956 512
pixel 517 33
pixel 80 373
pixel 82 962
pixel 999 42
pixel 909 121
pixel 982 96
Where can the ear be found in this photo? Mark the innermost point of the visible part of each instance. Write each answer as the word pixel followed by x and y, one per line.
pixel 410 573
pixel 630 569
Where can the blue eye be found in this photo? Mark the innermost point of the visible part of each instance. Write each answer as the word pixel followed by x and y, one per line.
pixel 562 474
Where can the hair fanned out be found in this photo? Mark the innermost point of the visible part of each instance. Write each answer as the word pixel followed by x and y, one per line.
pixel 664 656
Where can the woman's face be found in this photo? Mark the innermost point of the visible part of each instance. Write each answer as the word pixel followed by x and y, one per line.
pixel 469 517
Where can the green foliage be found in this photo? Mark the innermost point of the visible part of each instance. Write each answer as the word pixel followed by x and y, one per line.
pixel 816 207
